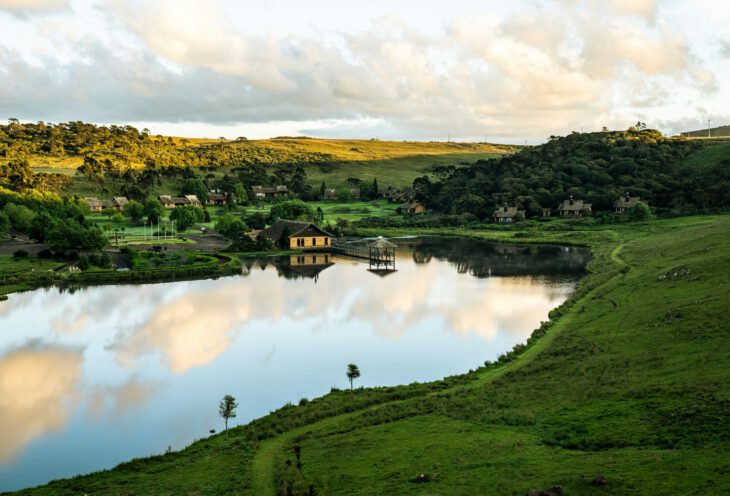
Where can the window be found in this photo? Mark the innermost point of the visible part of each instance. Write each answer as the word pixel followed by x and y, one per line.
pixel 314 241
pixel 326 241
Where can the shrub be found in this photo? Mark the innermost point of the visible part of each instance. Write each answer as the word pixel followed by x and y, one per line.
pixel 20 254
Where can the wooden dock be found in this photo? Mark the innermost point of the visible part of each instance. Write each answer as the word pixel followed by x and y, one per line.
pixel 377 259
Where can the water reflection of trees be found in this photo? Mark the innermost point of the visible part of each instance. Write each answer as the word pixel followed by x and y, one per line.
pixel 482 259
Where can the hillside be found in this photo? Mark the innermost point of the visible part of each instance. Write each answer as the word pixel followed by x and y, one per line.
pixel 628 383
pixel 62 148
pixel 675 176
pixel 714 132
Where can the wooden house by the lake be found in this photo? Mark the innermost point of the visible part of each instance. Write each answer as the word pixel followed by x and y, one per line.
pixel 330 194
pixel 574 208
pixel 299 235
pixel 623 204
pixel 96 205
pixel 507 215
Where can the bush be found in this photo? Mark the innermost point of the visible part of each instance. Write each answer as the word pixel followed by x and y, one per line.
pixel 84 262
pixel 45 253
pixel 20 254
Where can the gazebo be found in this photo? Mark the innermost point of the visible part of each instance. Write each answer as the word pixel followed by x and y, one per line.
pixel 381 254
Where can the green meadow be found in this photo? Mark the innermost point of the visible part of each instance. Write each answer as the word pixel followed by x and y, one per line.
pixel 628 381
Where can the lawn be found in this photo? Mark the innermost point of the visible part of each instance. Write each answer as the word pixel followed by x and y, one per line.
pixel 628 381
pixel 11 265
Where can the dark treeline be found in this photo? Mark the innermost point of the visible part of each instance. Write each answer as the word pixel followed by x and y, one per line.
pixel 596 167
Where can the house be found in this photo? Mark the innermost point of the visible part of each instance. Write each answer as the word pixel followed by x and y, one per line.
pixel 574 208
pixel 178 201
pixel 192 200
pixel 546 212
pixel 355 193
pixel 388 192
pixel 262 192
pixel 623 204
pixel 508 215
pixel 216 199
pixel 167 201
pixel 119 202
pixel 412 208
pixel 299 235
pixel 94 204
pixel 330 194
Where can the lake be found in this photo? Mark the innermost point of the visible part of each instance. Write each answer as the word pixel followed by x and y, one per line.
pixel 93 377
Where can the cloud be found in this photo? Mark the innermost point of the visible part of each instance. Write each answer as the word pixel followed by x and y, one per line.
pixel 556 67
pixel 38 386
pixel 724 48
pixel 27 7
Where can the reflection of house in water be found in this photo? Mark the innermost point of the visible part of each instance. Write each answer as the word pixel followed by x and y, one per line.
pixel 303 265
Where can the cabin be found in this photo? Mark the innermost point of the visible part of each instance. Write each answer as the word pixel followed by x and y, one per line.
pixel 507 215
pixel 330 194
pixel 298 235
pixel 96 205
pixel 216 199
pixel 623 204
pixel 170 202
pixel 262 192
pixel 388 192
pixel 546 212
pixel 355 193
pixel 574 208
pixel 119 202
pixel 412 208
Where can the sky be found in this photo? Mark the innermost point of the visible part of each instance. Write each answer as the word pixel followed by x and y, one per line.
pixel 469 70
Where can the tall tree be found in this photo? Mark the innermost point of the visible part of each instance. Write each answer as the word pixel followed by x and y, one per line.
pixel 353 372
pixel 227 409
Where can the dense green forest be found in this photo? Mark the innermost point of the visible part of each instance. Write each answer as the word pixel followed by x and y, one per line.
pixel 596 167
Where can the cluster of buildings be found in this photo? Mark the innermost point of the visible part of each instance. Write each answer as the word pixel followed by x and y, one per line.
pixel 570 208
pixel 167 201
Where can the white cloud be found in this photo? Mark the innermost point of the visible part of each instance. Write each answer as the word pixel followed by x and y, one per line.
pixel 554 68
pixel 25 7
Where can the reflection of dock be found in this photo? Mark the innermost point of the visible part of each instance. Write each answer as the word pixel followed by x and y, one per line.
pixel 379 255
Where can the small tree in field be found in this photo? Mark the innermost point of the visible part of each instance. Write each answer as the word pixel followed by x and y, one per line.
pixel 353 372
pixel 640 211
pixel 227 409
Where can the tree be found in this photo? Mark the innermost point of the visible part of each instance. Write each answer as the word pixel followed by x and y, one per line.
pixel 21 217
pixel 375 188
pixel 227 409
pixel 4 223
pixel 69 235
pixel 353 372
pixel 322 189
pixel 195 187
pixel 152 210
pixel 186 216
pixel 639 211
pixel 134 210
pixel 231 226
pixel 292 210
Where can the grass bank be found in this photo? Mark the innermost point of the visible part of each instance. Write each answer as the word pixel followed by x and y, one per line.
pixel 628 381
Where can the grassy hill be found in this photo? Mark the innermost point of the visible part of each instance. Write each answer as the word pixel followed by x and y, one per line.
pixel 715 132
pixel 628 381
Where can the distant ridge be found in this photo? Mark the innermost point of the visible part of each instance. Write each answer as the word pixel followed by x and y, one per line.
pixel 715 132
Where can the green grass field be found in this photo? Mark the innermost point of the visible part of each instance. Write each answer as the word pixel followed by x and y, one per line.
pixel 628 381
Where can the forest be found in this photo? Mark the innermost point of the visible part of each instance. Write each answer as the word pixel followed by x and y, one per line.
pixel 595 167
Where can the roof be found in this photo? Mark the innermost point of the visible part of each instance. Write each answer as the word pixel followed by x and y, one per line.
pixel 410 205
pixel 381 243
pixel 216 197
pixel 120 200
pixel 506 212
pixel 627 201
pixel 268 189
pixel 92 201
pixel 295 228
pixel 574 205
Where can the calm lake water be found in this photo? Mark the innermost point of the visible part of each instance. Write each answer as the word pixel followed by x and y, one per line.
pixel 94 377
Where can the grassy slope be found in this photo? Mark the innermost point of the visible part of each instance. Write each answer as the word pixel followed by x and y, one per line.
pixel 712 154
pixel 630 382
